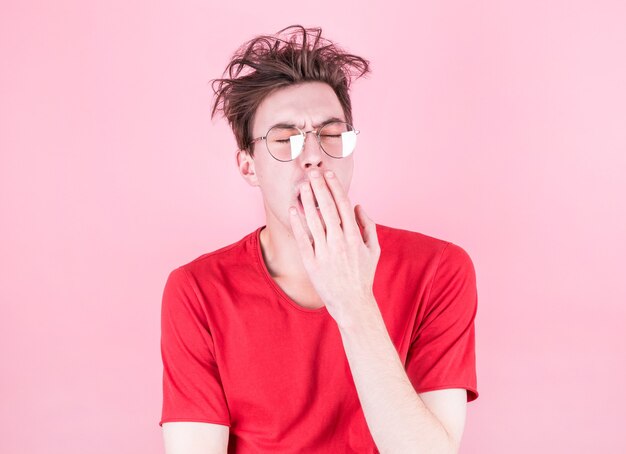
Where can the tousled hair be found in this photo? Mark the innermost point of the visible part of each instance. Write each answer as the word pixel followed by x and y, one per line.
pixel 275 61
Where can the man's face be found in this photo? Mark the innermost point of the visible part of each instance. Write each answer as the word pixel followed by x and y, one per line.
pixel 306 105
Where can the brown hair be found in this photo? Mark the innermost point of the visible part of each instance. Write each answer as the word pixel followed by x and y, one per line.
pixel 276 62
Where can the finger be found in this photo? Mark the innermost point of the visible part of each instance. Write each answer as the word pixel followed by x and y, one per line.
pixel 342 202
pixel 370 236
pixel 312 218
pixel 327 205
pixel 301 236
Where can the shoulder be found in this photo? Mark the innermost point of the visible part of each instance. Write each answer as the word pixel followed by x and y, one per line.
pixel 426 255
pixel 218 262
pixel 409 243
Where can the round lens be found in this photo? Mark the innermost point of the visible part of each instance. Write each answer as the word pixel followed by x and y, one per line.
pixel 284 143
pixel 338 139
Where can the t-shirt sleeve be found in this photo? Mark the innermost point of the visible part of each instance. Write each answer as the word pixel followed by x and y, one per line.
pixel 442 350
pixel 192 388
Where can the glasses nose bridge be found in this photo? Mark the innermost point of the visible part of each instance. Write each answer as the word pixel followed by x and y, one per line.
pixel 314 131
pixel 317 137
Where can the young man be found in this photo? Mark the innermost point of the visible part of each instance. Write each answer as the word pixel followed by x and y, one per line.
pixel 321 331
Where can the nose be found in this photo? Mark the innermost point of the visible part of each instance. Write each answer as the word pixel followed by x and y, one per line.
pixel 312 154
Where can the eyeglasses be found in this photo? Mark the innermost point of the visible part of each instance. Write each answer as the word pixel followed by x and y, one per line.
pixel 285 143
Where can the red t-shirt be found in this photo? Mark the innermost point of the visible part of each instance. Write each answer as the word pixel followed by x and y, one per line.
pixel 238 351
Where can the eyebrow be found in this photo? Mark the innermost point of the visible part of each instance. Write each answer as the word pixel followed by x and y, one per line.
pixel 293 125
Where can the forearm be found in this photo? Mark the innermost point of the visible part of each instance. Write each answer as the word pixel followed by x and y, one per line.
pixel 398 419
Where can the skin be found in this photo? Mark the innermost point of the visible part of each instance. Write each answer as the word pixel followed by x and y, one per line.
pixel 306 104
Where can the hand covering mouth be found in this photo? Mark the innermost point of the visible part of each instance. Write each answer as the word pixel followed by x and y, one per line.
pixel 300 200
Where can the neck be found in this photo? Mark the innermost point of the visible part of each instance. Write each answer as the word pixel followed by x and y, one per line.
pixel 280 251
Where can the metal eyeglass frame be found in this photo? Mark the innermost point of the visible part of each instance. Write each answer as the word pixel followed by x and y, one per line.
pixel 304 133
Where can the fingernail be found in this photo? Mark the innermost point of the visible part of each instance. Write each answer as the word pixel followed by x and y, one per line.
pixel 315 173
pixel 330 174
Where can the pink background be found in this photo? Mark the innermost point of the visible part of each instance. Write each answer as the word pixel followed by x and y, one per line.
pixel 499 126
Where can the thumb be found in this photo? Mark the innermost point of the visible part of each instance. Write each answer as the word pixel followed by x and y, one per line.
pixel 370 237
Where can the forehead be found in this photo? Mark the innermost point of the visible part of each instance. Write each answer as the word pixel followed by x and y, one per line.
pixel 304 104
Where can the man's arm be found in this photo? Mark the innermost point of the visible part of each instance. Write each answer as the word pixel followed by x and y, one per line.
pixel 400 420
pixel 195 438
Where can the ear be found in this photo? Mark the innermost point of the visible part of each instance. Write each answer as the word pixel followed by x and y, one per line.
pixel 245 163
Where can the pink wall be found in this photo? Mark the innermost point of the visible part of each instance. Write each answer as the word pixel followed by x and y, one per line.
pixel 497 125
